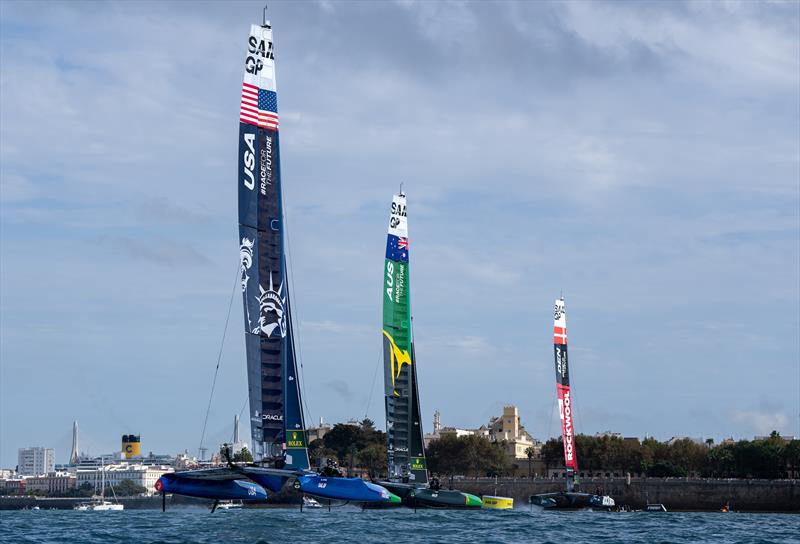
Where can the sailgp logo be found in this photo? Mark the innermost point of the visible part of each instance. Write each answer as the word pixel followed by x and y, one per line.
pixel 257 48
pixel 558 311
pixel 272 315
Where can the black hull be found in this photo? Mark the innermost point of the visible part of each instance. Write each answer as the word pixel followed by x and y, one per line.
pixel 423 497
pixel 568 501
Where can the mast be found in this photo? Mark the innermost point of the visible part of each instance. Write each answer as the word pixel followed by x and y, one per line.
pixel 276 420
pixel 564 395
pixel 405 445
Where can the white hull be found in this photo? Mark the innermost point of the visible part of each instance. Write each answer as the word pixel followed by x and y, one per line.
pixel 100 507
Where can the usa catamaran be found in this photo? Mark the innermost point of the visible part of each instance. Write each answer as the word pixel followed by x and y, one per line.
pixel 277 425
pixel 572 498
pixel 408 472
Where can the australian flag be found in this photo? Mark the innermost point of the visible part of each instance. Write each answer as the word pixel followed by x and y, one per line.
pixel 397 248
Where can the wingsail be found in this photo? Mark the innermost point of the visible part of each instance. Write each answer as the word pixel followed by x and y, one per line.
pixel 562 384
pixel 276 418
pixel 404 432
pixel 277 426
pixel 408 470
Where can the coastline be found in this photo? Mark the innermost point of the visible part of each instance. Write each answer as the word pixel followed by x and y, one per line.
pixel 677 494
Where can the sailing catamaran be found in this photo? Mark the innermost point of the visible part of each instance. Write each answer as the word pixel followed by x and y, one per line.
pixel 572 498
pixel 99 502
pixel 277 425
pixel 408 473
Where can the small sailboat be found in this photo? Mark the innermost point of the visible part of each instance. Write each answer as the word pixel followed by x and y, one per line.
pixel 277 425
pixel 408 472
pixel 572 498
pixel 99 502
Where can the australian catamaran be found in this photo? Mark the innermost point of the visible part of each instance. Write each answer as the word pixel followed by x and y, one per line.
pixel 277 425
pixel 572 498
pixel 408 473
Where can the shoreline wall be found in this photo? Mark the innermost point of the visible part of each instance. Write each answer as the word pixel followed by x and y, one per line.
pixel 674 493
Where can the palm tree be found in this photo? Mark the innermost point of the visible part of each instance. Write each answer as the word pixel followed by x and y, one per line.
pixel 529 451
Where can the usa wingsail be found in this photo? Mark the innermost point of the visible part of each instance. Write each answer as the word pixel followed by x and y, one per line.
pixel 277 425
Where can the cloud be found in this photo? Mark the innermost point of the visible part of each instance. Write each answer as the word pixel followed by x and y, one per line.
pixel 762 423
pixel 157 251
pixel 643 157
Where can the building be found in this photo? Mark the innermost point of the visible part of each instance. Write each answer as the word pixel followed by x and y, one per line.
pixel 35 461
pixel 55 483
pixel 315 433
pixel 508 428
pixel 13 485
pixel 143 475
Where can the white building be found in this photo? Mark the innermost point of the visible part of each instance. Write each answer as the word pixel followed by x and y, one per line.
pixel 143 475
pixel 35 461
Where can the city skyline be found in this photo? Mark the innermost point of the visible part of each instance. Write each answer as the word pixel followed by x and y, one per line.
pixel 642 158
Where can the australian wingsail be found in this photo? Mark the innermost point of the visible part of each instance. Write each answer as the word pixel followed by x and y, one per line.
pixel 408 471
pixel 277 426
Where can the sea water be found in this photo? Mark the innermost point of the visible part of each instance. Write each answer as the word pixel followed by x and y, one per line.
pixel 349 524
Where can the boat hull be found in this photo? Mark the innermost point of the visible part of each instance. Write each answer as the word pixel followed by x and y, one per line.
pixel 211 489
pixel 567 500
pixel 424 497
pixel 345 489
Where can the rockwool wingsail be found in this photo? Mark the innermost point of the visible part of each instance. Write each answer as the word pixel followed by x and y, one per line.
pixel 572 498
pixel 277 426
pixel 562 387
pixel 408 473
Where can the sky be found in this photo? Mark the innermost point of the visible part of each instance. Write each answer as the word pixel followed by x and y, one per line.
pixel 642 158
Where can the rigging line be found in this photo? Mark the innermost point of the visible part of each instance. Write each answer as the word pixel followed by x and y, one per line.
pixel 295 312
pixel 372 387
pixel 550 419
pixel 219 355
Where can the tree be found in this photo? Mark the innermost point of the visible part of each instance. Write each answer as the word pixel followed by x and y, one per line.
pixel 373 458
pixel 529 453
pixel 341 437
pixel 553 453
pixel 243 456
pixel 127 488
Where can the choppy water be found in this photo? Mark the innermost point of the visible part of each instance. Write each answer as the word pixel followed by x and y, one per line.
pixel 349 524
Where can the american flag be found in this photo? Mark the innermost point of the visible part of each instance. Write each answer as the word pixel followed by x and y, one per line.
pixel 402 243
pixel 259 107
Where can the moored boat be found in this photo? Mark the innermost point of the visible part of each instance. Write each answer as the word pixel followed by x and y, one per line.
pixel 99 503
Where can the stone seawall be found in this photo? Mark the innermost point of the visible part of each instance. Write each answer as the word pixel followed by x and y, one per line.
pixel 674 493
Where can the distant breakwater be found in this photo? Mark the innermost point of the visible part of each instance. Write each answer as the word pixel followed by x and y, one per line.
pixel 696 494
